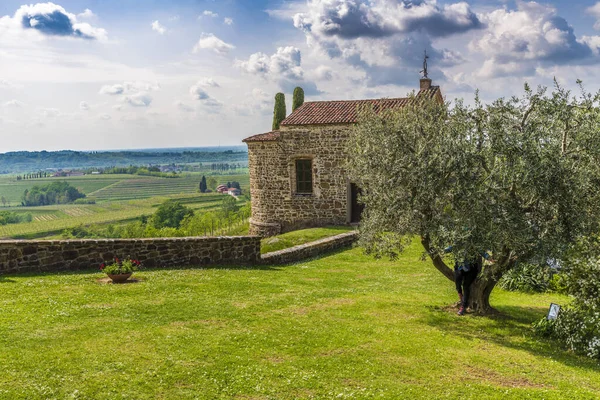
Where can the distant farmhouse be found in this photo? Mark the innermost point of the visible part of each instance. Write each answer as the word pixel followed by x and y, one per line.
pixel 297 173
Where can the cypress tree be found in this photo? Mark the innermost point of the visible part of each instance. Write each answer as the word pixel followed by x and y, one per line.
pixel 298 98
pixel 203 186
pixel 279 112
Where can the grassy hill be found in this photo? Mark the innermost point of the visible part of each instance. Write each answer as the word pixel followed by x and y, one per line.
pixel 343 326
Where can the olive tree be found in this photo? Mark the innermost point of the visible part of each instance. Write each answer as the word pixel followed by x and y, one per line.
pixel 517 178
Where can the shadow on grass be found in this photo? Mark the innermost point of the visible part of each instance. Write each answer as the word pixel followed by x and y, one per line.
pixel 503 328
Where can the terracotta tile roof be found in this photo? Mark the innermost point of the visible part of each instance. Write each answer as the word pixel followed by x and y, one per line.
pixel 344 111
pixel 263 137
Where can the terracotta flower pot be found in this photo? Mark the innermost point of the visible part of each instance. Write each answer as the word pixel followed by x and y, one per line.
pixel 119 278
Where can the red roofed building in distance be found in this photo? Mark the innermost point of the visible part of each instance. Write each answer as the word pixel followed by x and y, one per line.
pixel 297 173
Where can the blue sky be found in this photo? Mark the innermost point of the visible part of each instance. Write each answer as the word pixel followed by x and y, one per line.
pixel 104 74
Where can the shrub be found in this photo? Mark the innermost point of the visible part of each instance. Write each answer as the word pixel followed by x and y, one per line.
pixel 527 278
pixel 170 214
pixel 578 324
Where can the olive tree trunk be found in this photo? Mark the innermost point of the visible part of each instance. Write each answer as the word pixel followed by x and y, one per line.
pixel 481 289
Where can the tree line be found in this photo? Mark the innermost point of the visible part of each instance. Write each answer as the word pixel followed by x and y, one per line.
pixel 52 193
pixel 173 219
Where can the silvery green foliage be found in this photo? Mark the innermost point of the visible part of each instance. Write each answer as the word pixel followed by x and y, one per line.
pixel 578 324
pixel 518 178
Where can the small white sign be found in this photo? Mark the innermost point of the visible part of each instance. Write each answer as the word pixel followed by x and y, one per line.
pixel 553 311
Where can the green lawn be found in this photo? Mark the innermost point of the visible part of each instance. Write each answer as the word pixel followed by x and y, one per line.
pixel 295 238
pixel 343 326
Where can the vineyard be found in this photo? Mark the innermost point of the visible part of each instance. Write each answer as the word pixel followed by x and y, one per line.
pixel 146 187
pixel 51 220
pixel 116 187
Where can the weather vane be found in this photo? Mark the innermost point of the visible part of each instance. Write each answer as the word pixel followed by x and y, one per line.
pixel 424 72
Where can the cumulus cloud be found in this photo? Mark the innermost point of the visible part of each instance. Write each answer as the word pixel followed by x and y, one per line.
pixel 129 88
pixel 517 40
pixel 228 21
pixel 286 62
pixel 323 73
pixel 205 101
pixel 385 39
pixel 53 20
pixel 350 19
pixel 208 13
pixel 84 106
pixel 14 104
pixel 209 41
pixel 87 13
pixel 595 12
pixel 157 27
pixel 283 67
pixel 141 99
pixel 198 93
pixel 208 82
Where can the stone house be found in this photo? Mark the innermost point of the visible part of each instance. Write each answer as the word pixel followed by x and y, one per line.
pixel 297 173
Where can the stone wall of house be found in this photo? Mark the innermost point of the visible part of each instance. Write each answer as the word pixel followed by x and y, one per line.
pixel 312 249
pixel 276 207
pixel 55 255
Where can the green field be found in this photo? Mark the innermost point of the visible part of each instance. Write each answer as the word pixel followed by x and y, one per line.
pixel 344 326
pixel 50 220
pixel 117 187
pixel 120 198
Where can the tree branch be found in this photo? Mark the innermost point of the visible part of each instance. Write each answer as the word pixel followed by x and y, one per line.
pixel 438 263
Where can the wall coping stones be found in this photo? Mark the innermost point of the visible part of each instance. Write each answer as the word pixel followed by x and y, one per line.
pixel 311 249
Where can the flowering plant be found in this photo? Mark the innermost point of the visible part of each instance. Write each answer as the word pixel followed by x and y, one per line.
pixel 120 266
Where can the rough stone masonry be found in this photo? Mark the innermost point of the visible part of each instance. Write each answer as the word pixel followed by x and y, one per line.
pixel 57 255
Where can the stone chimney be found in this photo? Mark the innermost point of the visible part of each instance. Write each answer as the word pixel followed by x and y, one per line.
pixel 425 83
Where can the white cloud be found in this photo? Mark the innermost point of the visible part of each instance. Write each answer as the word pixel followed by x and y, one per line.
pixel 323 73
pixel 129 88
pixel 286 62
pixel 87 13
pixel 104 117
pixel 112 89
pixel 207 82
pixel 595 12
pixel 198 93
pixel 228 21
pixel 350 19
pixel 157 27
pixel 84 106
pixel 384 39
pixel 518 40
pixel 209 41
pixel 283 67
pixel 49 19
pixel 14 104
pixel 209 13
pixel 141 99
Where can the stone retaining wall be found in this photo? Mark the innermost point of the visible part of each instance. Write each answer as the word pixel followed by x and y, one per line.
pixel 312 249
pixel 56 255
